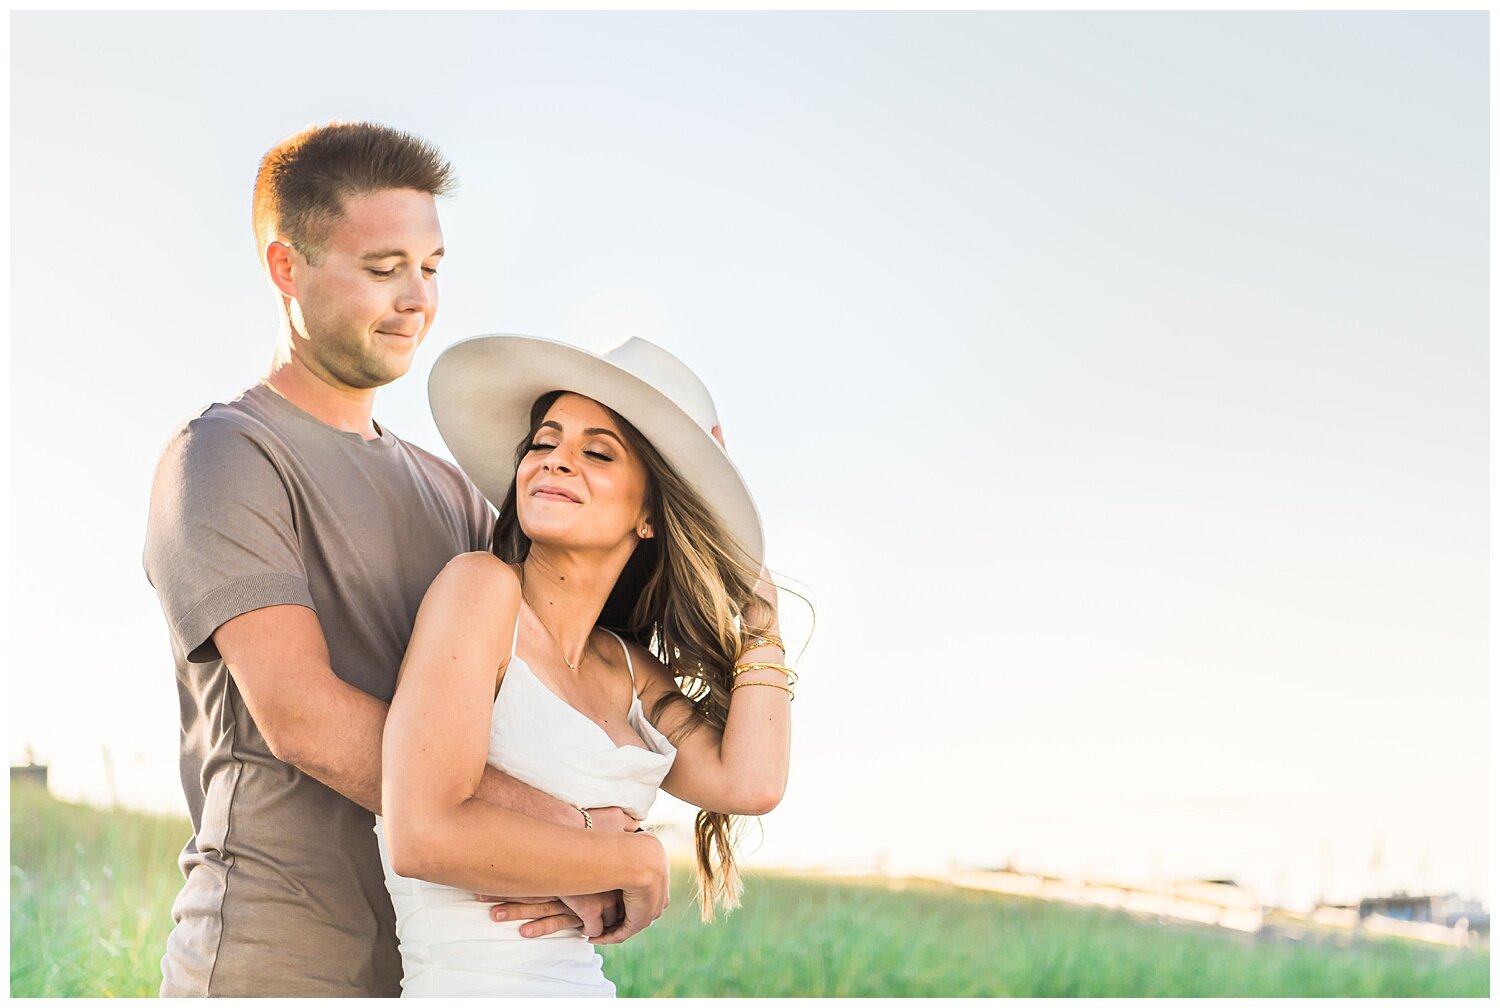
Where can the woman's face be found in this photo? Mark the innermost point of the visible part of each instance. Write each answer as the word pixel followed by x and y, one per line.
pixel 578 485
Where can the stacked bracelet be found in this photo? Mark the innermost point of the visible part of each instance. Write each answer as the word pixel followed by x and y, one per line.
pixel 777 685
pixel 763 640
pixel 588 820
pixel 791 676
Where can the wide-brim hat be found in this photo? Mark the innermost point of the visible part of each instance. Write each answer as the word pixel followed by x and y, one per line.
pixel 482 390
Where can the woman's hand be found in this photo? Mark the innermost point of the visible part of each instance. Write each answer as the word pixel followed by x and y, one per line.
pixel 591 914
pixel 645 900
pixel 606 918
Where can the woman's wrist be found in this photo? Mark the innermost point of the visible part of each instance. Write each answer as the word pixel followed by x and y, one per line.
pixel 641 855
pixel 772 651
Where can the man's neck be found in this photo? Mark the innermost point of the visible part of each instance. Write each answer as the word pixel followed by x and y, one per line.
pixel 345 409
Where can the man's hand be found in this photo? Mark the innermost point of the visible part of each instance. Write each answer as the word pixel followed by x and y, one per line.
pixel 613 817
pixel 590 914
pixel 644 902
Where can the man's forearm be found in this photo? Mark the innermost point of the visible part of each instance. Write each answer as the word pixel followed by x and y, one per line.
pixel 502 789
pixel 341 748
pixel 337 742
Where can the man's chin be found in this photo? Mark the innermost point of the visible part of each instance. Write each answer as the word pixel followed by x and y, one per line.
pixel 369 374
pixel 394 373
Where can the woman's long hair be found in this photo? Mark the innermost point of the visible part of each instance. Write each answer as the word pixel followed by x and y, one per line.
pixel 687 595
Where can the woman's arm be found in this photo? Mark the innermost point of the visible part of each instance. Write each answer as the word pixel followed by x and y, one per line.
pixel 741 770
pixel 328 729
pixel 436 741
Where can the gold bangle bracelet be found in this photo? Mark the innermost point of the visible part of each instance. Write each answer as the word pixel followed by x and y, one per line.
pixel 748 666
pixel 777 685
pixel 764 640
pixel 791 677
pixel 791 674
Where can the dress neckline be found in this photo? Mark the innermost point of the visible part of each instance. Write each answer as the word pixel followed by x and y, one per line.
pixel 635 717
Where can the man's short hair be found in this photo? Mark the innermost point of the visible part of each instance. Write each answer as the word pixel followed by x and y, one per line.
pixel 303 181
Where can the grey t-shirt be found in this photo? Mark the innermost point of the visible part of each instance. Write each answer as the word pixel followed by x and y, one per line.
pixel 257 503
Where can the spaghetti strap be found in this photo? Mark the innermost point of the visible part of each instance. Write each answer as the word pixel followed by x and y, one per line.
pixel 628 663
pixel 516 637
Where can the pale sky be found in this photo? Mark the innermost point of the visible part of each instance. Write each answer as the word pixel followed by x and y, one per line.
pixel 1114 384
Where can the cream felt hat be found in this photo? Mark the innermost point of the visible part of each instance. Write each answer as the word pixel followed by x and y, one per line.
pixel 482 390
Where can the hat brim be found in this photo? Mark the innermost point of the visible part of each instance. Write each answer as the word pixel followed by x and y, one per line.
pixel 482 389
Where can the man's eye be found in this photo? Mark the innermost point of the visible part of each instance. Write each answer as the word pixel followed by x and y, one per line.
pixel 383 273
pixel 429 271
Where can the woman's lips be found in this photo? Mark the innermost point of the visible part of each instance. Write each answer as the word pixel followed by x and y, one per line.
pixel 556 495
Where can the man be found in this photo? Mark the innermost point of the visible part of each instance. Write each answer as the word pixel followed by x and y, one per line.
pixel 290 540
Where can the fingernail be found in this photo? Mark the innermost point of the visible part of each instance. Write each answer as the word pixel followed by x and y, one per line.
pixel 499 915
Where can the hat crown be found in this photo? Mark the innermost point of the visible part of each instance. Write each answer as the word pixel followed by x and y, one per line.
pixel 669 376
pixel 483 390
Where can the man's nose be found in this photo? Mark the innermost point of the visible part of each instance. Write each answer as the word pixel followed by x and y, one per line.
pixel 416 293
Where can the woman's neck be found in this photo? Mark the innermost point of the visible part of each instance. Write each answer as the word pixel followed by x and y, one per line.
pixel 568 591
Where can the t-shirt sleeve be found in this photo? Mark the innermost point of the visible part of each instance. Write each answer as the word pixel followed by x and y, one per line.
pixel 220 537
pixel 481 520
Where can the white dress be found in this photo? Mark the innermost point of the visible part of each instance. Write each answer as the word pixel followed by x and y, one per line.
pixel 449 945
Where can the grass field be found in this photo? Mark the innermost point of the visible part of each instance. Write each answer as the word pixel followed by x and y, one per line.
pixel 91 893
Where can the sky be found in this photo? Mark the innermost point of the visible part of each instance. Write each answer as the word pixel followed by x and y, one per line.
pixel 1114 386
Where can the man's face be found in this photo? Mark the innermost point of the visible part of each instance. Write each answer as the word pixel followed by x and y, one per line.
pixel 362 311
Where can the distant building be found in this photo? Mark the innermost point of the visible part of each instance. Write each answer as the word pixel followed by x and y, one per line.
pixel 1446 910
pixel 31 773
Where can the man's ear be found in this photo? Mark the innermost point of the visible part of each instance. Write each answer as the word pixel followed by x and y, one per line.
pixel 279 262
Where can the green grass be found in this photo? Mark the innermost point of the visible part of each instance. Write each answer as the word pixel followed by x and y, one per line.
pixel 91 895
pixel 836 938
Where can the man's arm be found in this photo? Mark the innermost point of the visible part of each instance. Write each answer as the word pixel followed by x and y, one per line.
pixel 331 731
pixel 326 728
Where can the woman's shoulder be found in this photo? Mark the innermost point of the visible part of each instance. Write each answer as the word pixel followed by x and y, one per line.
pixel 477 572
pixel 647 668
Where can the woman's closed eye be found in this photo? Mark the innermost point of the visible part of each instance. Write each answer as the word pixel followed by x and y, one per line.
pixel 542 446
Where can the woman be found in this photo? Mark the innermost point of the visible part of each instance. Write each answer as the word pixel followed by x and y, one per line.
pixel 622 526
